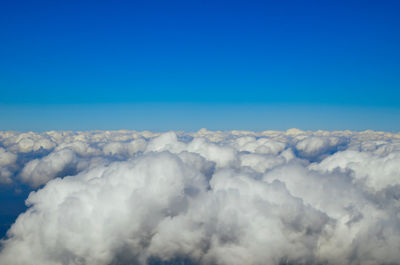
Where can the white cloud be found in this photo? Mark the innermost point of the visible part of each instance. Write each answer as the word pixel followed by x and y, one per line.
pixel 40 171
pixel 7 164
pixel 318 147
pixel 376 170
pixel 126 197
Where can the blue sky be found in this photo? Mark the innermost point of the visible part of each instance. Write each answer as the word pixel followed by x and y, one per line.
pixel 165 65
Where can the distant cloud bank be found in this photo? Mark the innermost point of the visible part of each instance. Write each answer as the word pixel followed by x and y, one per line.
pixel 208 197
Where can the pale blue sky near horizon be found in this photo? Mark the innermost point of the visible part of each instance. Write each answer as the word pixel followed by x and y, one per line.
pixel 157 65
pixel 194 116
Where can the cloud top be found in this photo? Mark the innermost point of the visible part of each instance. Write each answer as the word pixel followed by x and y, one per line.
pixel 238 197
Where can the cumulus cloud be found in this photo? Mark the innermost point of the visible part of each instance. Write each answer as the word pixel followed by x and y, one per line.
pixel 40 171
pixel 7 160
pixel 239 197
pixel 318 147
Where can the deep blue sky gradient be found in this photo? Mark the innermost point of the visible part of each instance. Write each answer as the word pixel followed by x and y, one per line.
pixel 91 56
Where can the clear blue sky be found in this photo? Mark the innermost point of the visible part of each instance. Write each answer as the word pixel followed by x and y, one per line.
pixel 189 64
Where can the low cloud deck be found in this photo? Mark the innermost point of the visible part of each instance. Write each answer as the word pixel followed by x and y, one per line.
pixel 236 197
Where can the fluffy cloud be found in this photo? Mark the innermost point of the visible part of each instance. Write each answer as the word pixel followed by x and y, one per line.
pixel 40 171
pixel 318 147
pixel 126 197
pixel 7 160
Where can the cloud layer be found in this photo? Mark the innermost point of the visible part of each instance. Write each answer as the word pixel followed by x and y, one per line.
pixel 238 197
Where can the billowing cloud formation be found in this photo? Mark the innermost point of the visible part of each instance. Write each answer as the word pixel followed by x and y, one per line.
pixel 7 160
pixel 236 197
